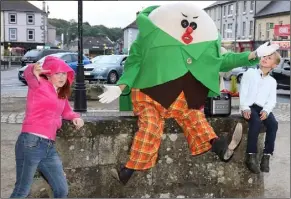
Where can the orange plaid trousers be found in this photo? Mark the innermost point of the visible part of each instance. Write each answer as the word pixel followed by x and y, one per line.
pixel 146 143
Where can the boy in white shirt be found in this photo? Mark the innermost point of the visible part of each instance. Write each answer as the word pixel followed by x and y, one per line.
pixel 258 92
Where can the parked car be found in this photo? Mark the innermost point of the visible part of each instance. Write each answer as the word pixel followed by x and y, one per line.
pixel 93 60
pixel 239 71
pixel 70 58
pixel 34 55
pixel 107 68
pixel 282 74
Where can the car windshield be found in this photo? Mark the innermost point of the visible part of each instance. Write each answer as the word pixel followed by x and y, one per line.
pixel 106 59
pixel 54 55
pixel 32 53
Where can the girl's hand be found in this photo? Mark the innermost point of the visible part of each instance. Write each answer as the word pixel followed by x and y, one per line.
pixel 37 70
pixel 78 122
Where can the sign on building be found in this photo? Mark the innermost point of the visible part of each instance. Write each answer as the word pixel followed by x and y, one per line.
pixel 282 30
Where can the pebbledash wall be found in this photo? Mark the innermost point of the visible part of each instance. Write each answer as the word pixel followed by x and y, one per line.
pixel 104 143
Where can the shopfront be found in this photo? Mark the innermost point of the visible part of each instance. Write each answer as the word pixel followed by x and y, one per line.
pixel 282 32
pixel 241 45
pixel 284 48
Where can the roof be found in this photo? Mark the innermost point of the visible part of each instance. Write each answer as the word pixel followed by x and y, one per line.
pixel 97 41
pixel 217 3
pixel 132 25
pixel 275 8
pixel 22 6
pixel 51 26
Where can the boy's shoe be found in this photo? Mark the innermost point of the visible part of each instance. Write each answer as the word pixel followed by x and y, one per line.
pixel 252 163
pixel 123 175
pixel 224 150
pixel 265 163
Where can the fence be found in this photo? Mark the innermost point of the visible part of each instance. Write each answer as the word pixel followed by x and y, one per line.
pixel 7 61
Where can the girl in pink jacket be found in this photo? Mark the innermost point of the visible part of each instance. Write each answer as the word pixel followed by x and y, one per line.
pixel 47 104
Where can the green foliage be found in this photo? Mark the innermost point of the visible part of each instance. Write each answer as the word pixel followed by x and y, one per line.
pixel 70 30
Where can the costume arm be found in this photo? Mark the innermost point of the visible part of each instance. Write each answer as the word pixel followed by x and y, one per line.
pixel 234 60
pixel 131 67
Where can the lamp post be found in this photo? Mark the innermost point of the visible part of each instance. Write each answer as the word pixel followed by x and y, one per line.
pixel 80 103
pixel 235 27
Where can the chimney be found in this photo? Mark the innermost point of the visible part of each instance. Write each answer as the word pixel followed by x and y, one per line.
pixel 43 6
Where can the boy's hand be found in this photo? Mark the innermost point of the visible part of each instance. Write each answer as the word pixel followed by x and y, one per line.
pixel 78 122
pixel 247 114
pixel 264 115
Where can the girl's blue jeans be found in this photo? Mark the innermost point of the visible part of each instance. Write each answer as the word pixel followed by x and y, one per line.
pixel 32 153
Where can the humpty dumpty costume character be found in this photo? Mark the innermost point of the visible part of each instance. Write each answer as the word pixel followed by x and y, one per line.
pixel 172 67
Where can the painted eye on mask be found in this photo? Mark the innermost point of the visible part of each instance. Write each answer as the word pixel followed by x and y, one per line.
pixel 184 23
pixel 193 25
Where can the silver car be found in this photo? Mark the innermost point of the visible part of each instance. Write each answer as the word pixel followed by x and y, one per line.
pixel 239 71
pixel 106 68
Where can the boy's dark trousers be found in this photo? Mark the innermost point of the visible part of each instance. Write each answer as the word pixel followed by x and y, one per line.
pixel 254 129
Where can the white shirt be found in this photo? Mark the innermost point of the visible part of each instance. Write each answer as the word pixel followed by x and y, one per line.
pixel 257 89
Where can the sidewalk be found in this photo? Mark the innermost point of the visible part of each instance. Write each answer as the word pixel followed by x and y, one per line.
pixel 12 110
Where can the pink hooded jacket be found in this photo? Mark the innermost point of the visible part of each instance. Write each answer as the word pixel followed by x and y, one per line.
pixel 44 110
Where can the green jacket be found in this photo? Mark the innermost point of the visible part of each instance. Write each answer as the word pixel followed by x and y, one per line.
pixel 156 58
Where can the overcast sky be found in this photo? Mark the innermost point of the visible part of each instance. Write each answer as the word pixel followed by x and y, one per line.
pixel 108 13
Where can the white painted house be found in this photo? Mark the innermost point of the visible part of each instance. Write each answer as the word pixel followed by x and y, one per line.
pixel 129 34
pixel 23 25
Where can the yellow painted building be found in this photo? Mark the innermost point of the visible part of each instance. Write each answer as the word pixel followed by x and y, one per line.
pixel 272 23
pixel 265 27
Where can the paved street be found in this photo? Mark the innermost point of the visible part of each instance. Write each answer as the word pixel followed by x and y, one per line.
pixel 10 85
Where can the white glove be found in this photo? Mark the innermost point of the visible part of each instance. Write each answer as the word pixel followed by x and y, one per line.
pixel 265 50
pixel 111 93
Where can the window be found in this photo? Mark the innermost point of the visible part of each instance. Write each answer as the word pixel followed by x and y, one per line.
pixel 12 34
pixel 245 6
pixel 224 10
pixel 267 30
pixel 244 29
pixel 30 35
pixel 75 58
pixel 284 53
pixel 12 18
pixel 229 32
pixel 260 31
pixel 214 13
pixel 30 19
pixel 67 58
pixel 252 5
pixel 251 28
pixel 230 9
pixel 223 31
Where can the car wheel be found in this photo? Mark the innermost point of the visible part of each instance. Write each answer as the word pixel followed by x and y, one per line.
pixel 239 78
pixel 112 77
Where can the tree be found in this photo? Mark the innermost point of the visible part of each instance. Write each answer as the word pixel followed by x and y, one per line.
pixel 70 30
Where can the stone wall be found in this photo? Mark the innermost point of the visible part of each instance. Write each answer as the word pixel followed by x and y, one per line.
pixel 89 154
